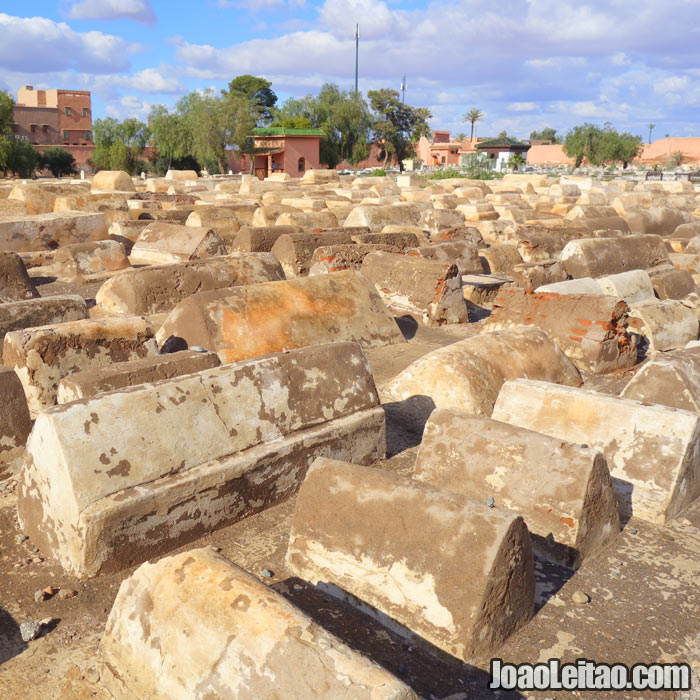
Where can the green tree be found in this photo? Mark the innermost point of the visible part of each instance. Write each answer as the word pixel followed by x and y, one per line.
pixel 584 142
pixel 473 116
pixel 7 106
pixel 258 92
pixel 546 134
pixel 169 135
pixel 216 122
pixel 344 118
pixel 119 145
pixel 396 125
pixel 600 146
pixel 18 156
pixel 651 128
pixel 619 148
pixel 461 136
pixel 293 123
pixel 516 160
pixel 58 161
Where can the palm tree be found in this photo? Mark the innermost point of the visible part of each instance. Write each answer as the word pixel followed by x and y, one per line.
pixel 651 126
pixel 473 116
pixel 461 136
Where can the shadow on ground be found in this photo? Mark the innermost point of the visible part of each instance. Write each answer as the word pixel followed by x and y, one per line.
pixel 433 674
pixel 11 643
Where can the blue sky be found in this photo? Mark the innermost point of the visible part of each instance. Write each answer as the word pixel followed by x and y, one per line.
pixel 525 63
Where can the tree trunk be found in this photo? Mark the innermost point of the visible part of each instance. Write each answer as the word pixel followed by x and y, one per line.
pixel 471 137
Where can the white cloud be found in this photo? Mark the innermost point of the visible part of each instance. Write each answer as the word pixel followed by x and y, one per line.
pixel 129 106
pixel 150 80
pixel 522 106
pixel 138 10
pixel 619 59
pixel 261 5
pixel 40 45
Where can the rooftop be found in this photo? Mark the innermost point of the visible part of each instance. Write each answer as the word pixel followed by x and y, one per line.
pixel 282 131
pixel 502 141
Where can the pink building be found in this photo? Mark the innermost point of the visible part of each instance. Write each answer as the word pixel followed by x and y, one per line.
pixel 441 151
pixel 281 150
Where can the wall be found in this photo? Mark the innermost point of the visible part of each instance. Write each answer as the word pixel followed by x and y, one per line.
pixel 659 151
pixel 548 155
pixel 296 147
pixel 25 116
pixel 76 124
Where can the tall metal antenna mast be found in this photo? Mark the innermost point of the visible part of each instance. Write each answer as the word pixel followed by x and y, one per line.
pixel 357 52
pixel 403 88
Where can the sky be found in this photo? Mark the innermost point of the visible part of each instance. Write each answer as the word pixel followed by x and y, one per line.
pixel 526 64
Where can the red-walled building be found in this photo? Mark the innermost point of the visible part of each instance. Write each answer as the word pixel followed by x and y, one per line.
pixel 280 150
pixel 56 118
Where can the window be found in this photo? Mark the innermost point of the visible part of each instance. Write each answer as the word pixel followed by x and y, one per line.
pixel 87 135
pixel 86 111
pixel 302 165
pixel 68 111
pixel 65 133
pixel 45 127
pixel 32 127
pixel 442 160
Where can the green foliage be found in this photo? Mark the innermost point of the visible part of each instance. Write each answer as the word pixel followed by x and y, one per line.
pixel 257 93
pixel 619 148
pixel 161 165
pixel 377 172
pixel 18 156
pixel 516 160
pixel 293 123
pixel 58 161
pixel 675 159
pixel 169 137
pixel 7 105
pixel 445 173
pixel 478 166
pixel 600 146
pixel 214 122
pixel 344 118
pixel 118 145
pixel 396 125
pixel 359 153
pixel 583 142
pixel 473 116
pixel 547 134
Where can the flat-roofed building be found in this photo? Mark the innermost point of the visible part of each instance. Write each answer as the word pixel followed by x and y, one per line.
pixel 282 150
pixel 55 118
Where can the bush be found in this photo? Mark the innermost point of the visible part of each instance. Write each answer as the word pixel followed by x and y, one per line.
pixel 58 161
pixel 18 156
pixel 162 165
pixel 675 159
pixel 377 172
pixel 445 173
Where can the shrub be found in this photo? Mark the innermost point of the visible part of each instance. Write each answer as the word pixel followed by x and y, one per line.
pixel 58 161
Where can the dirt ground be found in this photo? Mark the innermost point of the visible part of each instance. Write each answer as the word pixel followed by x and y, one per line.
pixel 644 590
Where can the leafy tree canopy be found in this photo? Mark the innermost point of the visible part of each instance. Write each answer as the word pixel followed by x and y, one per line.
pixel 18 156
pixel 396 125
pixel 7 105
pixel 118 145
pixel 599 146
pixel 258 91
pixel 58 161
pixel 344 118
pixel 547 134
